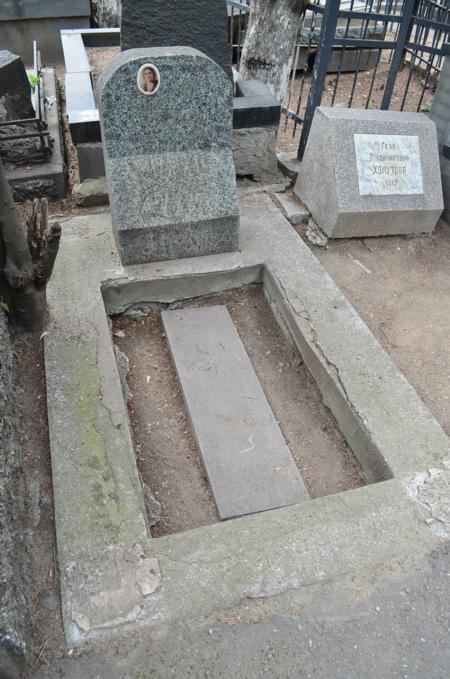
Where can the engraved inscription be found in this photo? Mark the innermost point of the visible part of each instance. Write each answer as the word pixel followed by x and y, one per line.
pixel 388 164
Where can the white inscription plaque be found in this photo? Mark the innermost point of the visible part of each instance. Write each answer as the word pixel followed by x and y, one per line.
pixel 388 164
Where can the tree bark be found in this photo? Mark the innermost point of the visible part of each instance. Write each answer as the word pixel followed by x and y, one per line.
pixel 269 44
pixel 26 264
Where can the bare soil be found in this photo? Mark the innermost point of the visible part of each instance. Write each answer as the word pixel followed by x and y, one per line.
pixel 41 567
pixel 403 295
pixel 167 453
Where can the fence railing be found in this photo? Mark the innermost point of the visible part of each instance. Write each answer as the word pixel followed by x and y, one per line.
pixel 38 120
pixel 357 53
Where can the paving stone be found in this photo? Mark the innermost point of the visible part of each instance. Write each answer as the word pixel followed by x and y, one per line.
pixel 371 173
pixel 249 466
pixel 168 156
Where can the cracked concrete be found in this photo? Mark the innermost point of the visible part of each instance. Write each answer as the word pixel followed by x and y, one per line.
pixel 430 490
pixel 98 497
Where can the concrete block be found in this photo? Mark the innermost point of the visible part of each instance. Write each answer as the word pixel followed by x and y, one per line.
pixel 255 111
pixel 249 466
pixel 91 192
pixel 293 208
pixel 168 156
pixel 91 163
pixel 254 151
pixel 371 173
pixel 289 164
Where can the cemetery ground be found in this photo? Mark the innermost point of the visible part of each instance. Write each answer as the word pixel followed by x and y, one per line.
pixel 373 621
pixel 397 285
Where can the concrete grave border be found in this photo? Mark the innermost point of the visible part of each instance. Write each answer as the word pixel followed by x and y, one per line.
pixel 114 577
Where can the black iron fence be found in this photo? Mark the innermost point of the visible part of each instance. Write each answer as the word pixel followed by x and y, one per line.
pixel 38 121
pixel 357 53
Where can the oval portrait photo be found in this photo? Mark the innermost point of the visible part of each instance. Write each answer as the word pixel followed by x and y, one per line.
pixel 148 79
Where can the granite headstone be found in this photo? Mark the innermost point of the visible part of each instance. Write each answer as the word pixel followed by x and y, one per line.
pixel 168 158
pixel 202 24
pixel 371 173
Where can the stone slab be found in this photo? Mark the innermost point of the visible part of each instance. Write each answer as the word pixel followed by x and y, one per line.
pixel 201 24
pixel 249 466
pixel 388 427
pixel 168 156
pixel 293 208
pixel 371 173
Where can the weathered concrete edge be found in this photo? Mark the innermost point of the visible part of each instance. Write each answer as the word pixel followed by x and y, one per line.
pixel 226 543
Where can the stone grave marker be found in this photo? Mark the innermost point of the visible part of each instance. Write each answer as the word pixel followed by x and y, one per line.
pixel 371 173
pixel 168 158
pixel 201 24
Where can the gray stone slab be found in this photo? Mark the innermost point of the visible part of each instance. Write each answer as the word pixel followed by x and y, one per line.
pixel 201 24
pixel 248 463
pixel 371 173
pixel 168 156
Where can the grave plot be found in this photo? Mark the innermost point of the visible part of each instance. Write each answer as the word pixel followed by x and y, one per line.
pixel 114 576
pixel 168 457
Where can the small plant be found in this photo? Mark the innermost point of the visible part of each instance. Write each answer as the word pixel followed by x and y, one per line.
pixel 426 108
pixel 33 80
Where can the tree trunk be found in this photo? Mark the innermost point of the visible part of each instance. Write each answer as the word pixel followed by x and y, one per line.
pixel 270 38
pixel 26 264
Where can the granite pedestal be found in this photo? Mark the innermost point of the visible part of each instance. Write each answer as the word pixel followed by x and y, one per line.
pixel 168 156
pixel 371 173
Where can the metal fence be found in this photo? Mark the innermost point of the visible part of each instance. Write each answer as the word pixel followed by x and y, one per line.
pixel 38 120
pixel 383 54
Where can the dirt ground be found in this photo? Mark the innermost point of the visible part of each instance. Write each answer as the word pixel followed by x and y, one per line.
pixel 400 286
pixel 41 566
pixel 168 457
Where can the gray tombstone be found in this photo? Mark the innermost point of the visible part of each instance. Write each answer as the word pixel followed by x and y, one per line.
pixel 15 90
pixel 168 158
pixel 371 173
pixel 201 24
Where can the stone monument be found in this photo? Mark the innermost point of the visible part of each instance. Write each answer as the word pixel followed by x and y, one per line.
pixel 371 173
pixel 15 90
pixel 166 120
pixel 201 24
